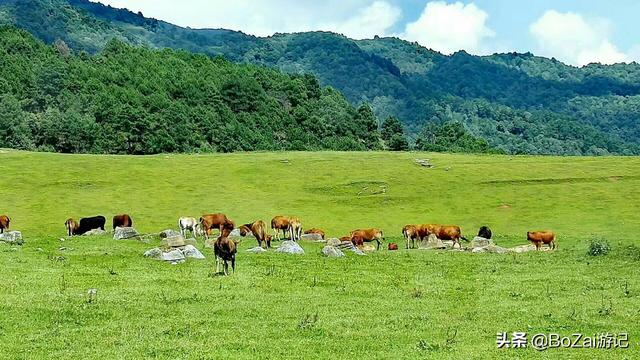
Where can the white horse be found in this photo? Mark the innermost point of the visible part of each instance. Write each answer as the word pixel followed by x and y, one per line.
pixel 191 224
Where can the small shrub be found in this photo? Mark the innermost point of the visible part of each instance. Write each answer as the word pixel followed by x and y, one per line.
pixel 416 293
pixel 308 321
pixel 598 247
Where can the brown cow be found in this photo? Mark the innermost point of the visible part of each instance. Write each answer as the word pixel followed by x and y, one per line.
pixel 367 235
pixel 72 226
pixel 122 220
pixel 542 237
pixel 259 230
pixel 215 221
pixel 410 233
pixel 4 223
pixel 315 231
pixel 442 232
pixel 280 223
pixel 225 250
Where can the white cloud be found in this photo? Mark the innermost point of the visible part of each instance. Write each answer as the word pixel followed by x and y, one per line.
pixel 574 39
pixel 451 27
pixel 376 19
pixel 264 18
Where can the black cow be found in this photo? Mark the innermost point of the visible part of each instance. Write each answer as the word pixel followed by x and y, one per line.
pixel 90 223
pixel 485 232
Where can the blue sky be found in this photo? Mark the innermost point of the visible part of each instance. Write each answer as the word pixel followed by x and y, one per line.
pixel 576 32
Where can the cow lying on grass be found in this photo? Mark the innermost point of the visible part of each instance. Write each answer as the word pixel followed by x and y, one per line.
pixel 315 231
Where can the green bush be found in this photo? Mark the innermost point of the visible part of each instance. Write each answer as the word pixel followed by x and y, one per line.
pixel 598 247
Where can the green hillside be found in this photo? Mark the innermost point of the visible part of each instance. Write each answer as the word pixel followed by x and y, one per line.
pixel 401 305
pixel 518 103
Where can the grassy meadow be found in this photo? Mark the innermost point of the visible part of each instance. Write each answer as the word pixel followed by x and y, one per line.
pixel 400 305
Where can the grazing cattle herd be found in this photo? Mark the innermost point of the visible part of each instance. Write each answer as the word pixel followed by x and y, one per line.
pixel 225 249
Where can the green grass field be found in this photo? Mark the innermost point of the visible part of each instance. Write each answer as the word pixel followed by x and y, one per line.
pixel 394 305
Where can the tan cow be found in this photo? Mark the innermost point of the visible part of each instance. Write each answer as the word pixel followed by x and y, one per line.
pixel 280 223
pixel 542 237
pixel 410 233
pixel 259 231
pixel 72 226
pixel 295 228
pixel 367 235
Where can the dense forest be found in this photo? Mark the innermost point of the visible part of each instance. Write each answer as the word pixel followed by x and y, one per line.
pixel 134 100
pixel 515 103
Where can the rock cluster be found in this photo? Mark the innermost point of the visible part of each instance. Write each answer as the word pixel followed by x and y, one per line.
pixel 175 249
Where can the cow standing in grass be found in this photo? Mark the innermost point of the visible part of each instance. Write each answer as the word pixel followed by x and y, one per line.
pixel 442 232
pixel 4 223
pixel 71 226
pixel 189 224
pixel 85 225
pixel 410 233
pixel 215 221
pixel 280 223
pixel 360 236
pixel 225 249
pixel 259 231
pixel 542 237
pixel 295 228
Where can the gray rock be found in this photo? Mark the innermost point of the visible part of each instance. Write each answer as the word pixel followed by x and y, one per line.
pixel 190 251
pixel 480 242
pixel 358 251
pixel 173 256
pixel 334 242
pixel 526 248
pixel 122 233
pixel 236 233
pixel 311 237
pixel 332 251
pixel 431 243
pixel 173 241
pixel 290 247
pixel 12 237
pixel 257 250
pixel 154 253
pixel 168 233
pixel 94 232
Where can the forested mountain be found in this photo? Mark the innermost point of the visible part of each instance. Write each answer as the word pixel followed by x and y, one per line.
pixel 135 100
pixel 518 103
